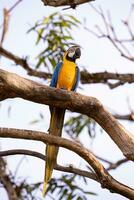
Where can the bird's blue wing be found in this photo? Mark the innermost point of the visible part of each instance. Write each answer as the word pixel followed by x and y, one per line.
pixel 77 79
pixel 55 75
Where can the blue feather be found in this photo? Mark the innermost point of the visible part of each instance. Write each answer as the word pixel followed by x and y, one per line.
pixel 55 75
pixel 77 79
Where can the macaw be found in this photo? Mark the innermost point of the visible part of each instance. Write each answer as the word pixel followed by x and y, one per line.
pixel 66 76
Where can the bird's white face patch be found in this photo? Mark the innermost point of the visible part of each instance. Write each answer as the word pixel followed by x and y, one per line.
pixel 71 54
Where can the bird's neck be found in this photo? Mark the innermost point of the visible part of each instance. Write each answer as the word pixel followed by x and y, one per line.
pixel 67 62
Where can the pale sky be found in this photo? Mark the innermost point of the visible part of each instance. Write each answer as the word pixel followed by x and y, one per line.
pixel 97 55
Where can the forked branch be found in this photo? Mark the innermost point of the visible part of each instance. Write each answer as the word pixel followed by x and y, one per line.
pixel 123 45
pixel 12 86
pixel 105 179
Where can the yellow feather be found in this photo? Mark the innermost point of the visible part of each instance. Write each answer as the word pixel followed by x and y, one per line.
pixel 44 189
pixel 56 124
pixel 67 75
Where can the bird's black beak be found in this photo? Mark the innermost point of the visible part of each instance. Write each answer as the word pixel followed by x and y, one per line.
pixel 77 53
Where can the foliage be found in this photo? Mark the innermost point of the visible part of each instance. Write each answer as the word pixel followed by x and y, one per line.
pixel 66 188
pixel 54 31
pixel 21 186
pixel 75 125
pixel 27 191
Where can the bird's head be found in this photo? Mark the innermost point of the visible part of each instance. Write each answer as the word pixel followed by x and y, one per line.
pixel 73 53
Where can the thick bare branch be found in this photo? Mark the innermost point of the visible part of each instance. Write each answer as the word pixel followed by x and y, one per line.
pixel 104 77
pixel 23 62
pixel 106 180
pixel 86 77
pixel 71 3
pixel 12 85
pixel 69 169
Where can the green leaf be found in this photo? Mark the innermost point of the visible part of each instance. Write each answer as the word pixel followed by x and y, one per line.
pixel 53 62
pixel 91 193
pixel 40 32
pixel 35 121
pixel 46 20
pixel 74 19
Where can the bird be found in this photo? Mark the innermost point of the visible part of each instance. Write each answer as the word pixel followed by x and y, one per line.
pixel 66 76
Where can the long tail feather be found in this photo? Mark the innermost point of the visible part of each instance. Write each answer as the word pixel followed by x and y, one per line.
pixel 56 124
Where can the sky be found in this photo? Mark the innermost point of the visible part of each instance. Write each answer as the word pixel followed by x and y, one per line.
pixel 97 55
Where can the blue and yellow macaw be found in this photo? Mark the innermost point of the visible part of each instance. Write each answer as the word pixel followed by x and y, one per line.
pixel 66 76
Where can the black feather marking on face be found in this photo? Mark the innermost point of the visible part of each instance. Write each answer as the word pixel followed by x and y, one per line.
pixel 70 59
pixel 77 53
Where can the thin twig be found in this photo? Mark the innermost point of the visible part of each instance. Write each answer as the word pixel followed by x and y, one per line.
pixel 109 32
pixel 111 164
pixel 117 164
pixel 11 9
pixel 5 25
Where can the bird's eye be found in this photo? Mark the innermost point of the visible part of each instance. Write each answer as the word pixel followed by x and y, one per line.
pixel 71 51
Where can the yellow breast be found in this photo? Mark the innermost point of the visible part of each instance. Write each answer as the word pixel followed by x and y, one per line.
pixel 67 75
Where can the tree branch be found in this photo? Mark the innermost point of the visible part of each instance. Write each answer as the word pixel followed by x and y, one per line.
pixel 125 117
pixel 104 77
pixel 105 179
pixel 69 169
pixel 71 3
pixel 86 77
pixel 117 164
pixel 23 63
pixel 109 33
pixel 12 85
pixel 111 164
pixel 11 9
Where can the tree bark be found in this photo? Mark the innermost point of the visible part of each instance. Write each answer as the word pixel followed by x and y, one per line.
pixel 71 3
pixel 12 85
pixel 105 179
